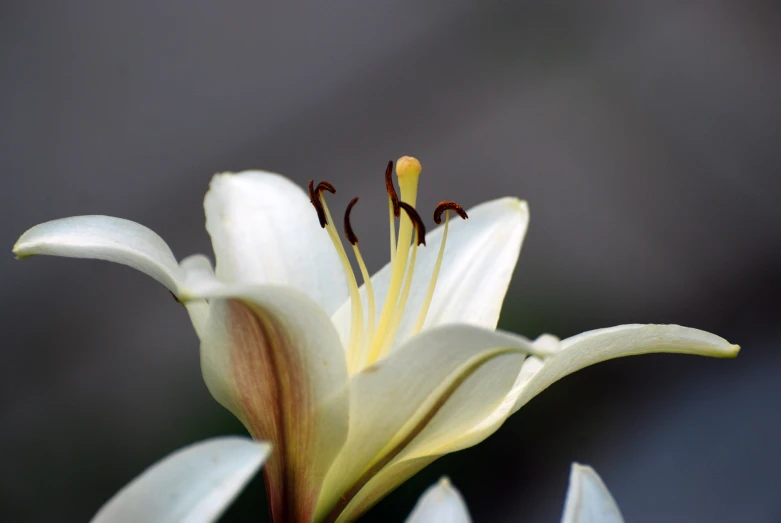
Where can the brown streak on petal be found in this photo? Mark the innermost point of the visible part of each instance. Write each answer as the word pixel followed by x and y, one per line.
pixel 272 394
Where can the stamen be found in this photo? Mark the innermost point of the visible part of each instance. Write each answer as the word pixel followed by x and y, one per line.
pixel 315 201
pixel 325 186
pixel 443 207
pixel 367 281
pixel 393 207
pixel 392 190
pixel 420 228
pixel 407 170
pixel 348 228
pixel 447 205
pixel 356 308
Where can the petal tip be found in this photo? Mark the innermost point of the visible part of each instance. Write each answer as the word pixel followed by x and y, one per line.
pixel 517 204
pixel 718 347
pixel 579 467
pixel 732 351
pixel 218 178
pixel 231 180
pixel 700 342
pixel 245 172
pixel 444 482
pixel 226 177
pixel 22 249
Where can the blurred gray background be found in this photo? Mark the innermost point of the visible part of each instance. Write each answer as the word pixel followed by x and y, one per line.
pixel 645 136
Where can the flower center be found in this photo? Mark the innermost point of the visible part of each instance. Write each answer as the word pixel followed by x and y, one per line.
pixel 369 343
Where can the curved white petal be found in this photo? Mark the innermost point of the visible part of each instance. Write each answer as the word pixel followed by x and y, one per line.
pixel 479 260
pixel 534 376
pixel 572 354
pixel 588 499
pixel 104 238
pixel 196 269
pixel 600 345
pixel 265 231
pixel 419 398
pixel 272 357
pixel 441 503
pixel 194 484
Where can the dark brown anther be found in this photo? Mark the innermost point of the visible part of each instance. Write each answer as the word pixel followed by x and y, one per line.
pixel 348 228
pixel 311 191
pixel 325 186
pixel 420 227
pixel 314 199
pixel 448 206
pixel 392 190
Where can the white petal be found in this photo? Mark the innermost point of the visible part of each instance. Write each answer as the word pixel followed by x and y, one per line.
pixel 271 356
pixel 572 354
pixel 479 260
pixel 441 503
pixel 588 500
pixel 265 231
pixel 419 398
pixel 463 427
pixel 600 345
pixel 194 484
pixel 104 238
pixel 197 269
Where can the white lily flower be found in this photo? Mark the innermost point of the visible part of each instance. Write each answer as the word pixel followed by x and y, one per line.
pixel 357 388
pixel 194 484
pixel 588 501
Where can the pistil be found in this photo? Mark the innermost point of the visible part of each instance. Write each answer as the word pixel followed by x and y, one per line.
pixel 408 170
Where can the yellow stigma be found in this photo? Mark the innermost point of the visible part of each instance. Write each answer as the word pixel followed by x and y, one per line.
pixel 407 171
pixel 407 166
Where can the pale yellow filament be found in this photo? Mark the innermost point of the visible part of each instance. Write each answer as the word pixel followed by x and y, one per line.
pixel 433 283
pixel 367 281
pixel 409 193
pixel 356 308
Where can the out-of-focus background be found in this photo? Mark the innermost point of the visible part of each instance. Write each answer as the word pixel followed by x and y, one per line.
pixel 645 136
